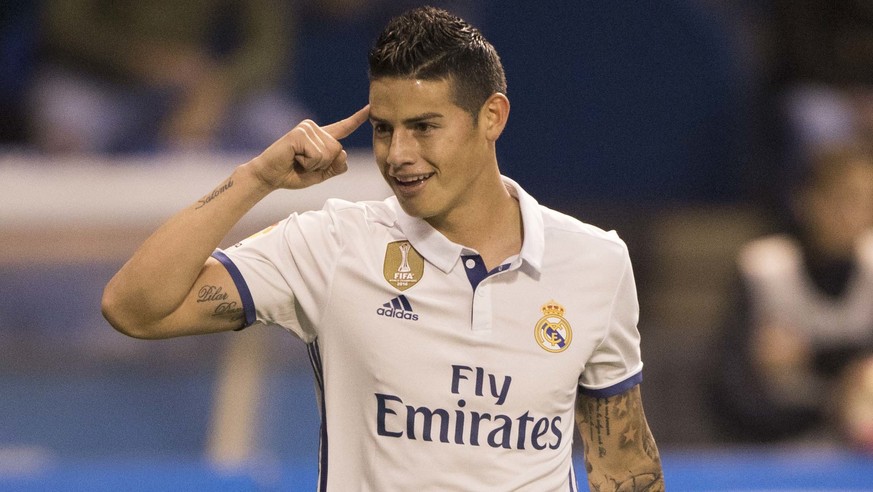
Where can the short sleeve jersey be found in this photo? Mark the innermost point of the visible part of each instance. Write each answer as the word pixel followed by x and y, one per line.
pixel 433 373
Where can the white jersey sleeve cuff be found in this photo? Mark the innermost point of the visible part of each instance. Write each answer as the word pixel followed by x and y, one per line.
pixel 244 293
pixel 615 389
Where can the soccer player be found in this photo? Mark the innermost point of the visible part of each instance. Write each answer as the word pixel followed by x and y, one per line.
pixel 456 328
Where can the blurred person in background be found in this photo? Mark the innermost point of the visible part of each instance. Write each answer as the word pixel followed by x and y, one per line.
pixel 854 416
pixel 805 310
pixel 131 76
pixel 821 74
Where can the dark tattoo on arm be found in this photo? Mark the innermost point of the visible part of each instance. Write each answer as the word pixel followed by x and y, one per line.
pixel 229 310
pixel 225 309
pixel 211 293
pixel 215 193
pixel 598 423
pixel 615 429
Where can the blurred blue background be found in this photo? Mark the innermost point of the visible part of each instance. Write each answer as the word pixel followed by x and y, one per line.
pixel 655 118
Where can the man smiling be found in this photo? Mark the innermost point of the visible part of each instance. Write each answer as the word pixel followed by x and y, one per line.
pixel 457 328
pixel 440 162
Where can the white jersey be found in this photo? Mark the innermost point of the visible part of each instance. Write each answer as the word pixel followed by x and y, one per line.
pixel 434 374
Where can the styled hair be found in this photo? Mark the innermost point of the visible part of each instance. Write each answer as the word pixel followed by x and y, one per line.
pixel 427 43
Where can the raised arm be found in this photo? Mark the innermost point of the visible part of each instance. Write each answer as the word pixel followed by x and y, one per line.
pixel 620 452
pixel 171 286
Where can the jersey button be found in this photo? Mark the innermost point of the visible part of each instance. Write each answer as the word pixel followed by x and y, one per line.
pixel 470 263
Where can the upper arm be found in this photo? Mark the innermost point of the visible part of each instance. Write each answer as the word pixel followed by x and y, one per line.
pixel 213 304
pixel 619 448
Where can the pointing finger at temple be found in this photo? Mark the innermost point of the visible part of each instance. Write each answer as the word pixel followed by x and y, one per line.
pixel 343 128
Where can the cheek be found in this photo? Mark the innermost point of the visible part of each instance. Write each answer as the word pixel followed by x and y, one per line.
pixel 451 149
pixel 380 152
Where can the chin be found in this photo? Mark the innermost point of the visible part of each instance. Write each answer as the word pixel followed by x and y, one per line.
pixel 415 210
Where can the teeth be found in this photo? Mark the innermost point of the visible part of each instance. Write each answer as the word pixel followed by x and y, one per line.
pixel 414 179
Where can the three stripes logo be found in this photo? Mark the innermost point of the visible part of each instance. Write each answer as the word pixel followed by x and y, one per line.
pixel 399 308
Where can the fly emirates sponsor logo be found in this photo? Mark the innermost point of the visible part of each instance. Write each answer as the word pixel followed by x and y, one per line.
pixel 398 419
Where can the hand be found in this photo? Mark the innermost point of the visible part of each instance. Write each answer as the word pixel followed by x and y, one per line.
pixel 308 154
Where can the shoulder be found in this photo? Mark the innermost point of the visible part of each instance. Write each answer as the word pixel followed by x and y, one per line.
pixel 376 211
pixel 338 221
pixel 566 230
pixel 561 231
pixel 363 214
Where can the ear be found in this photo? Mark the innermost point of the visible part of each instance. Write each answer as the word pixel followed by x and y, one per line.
pixel 494 115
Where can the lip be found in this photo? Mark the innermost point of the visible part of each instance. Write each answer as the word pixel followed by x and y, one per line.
pixel 410 184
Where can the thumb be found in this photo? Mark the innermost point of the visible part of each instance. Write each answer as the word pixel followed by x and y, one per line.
pixel 344 128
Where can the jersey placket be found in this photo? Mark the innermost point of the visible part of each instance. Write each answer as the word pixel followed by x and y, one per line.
pixel 477 274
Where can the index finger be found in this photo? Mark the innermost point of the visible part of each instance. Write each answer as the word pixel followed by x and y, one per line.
pixel 344 128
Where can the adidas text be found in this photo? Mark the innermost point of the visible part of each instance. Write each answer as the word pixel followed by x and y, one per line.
pixel 396 313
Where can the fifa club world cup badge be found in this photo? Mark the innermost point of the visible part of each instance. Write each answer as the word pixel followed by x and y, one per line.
pixel 552 331
pixel 403 265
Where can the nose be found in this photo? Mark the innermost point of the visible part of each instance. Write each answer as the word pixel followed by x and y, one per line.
pixel 402 149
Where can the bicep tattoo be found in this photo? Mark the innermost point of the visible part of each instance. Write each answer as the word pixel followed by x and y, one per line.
pixel 220 303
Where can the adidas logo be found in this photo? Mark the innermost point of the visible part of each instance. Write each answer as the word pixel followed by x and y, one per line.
pixel 398 307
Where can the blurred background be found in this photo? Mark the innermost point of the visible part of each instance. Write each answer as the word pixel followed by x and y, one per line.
pixel 726 141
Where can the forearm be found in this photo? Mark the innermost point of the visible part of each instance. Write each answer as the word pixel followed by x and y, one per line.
pixel 160 274
pixel 157 293
pixel 620 452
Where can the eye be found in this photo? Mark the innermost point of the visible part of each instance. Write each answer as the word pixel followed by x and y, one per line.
pixel 422 127
pixel 381 129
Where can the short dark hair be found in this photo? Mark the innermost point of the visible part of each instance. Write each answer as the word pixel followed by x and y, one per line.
pixel 428 43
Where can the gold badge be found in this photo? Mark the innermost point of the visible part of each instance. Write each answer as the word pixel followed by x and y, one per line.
pixel 257 234
pixel 403 265
pixel 552 331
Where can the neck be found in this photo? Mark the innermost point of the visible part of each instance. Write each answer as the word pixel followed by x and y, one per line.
pixel 490 225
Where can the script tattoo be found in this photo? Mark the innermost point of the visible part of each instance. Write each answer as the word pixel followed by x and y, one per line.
pixel 229 310
pixel 215 193
pixel 598 426
pixel 211 293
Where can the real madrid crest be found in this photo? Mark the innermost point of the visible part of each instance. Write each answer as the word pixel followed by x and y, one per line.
pixel 552 331
pixel 403 265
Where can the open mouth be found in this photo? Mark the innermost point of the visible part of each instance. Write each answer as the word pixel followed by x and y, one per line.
pixel 411 182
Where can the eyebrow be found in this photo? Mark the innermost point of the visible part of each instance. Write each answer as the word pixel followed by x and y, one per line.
pixel 411 121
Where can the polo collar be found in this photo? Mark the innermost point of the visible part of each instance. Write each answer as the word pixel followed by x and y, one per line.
pixel 444 254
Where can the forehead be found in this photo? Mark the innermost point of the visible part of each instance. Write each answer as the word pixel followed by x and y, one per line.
pixel 401 97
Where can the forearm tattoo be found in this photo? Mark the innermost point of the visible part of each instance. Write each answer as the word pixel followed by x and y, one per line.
pixel 215 193
pixel 616 427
